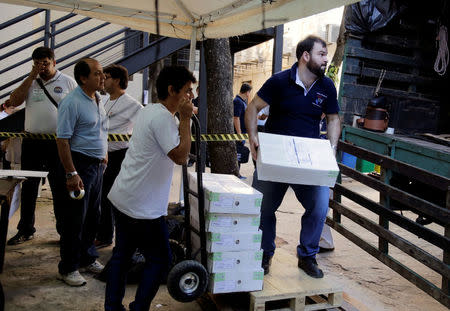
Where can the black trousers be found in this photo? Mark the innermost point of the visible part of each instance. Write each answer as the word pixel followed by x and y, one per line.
pixel 152 238
pixel 39 155
pixel 106 227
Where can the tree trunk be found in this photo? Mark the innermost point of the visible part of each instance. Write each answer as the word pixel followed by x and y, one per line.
pixel 222 155
pixel 154 71
pixel 342 38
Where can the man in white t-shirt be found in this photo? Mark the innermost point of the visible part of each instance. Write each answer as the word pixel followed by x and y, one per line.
pixel 262 118
pixel 140 193
pixel 121 110
pixel 40 118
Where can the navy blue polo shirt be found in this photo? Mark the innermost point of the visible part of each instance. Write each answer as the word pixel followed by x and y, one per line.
pixel 239 111
pixel 291 111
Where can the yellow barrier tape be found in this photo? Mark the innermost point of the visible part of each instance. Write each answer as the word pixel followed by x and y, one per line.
pixel 125 137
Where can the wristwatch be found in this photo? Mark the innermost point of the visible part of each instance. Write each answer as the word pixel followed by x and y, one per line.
pixel 71 174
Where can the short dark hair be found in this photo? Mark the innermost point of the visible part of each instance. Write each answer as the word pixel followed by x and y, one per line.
pixel 43 52
pixel 177 76
pixel 82 69
pixel 245 87
pixel 307 44
pixel 118 72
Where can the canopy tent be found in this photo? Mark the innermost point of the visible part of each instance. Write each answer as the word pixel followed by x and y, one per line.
pixel 191 19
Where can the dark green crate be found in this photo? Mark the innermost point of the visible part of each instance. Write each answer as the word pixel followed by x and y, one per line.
pixel 364 166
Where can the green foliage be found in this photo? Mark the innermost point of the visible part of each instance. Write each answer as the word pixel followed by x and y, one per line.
pixel 332 73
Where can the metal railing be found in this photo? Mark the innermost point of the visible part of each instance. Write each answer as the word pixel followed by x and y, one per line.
pixel 53 30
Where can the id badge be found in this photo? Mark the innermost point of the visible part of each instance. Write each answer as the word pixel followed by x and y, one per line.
pixel 38 95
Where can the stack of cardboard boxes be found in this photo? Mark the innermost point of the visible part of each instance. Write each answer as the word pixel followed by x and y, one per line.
pixel 233 240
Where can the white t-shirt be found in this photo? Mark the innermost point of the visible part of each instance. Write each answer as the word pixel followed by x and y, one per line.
pixel 141 190
pixel 3 115
pixel 40 113
pixel 122 113
pixel 265 111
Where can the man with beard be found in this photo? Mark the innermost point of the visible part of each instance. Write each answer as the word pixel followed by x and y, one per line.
pixel 297 98
pixel 40 118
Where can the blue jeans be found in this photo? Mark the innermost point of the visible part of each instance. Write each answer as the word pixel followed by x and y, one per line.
pixel 79 218
pixel 313 198
pixel 152 238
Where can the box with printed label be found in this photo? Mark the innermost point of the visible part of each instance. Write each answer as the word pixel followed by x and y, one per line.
pixel 216 222
pixel 296 160
pixel 229 242
pixel 231 261
pixel 226 194
pixel 236 281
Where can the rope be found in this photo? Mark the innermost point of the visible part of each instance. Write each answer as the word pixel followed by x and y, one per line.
pixel 380 79
pixel 441 63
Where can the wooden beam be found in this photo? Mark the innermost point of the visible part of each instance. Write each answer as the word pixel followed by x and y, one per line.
pixel 439 214
pixel 395 265
pixel 440 182
pixel 407 224
pixel 404 245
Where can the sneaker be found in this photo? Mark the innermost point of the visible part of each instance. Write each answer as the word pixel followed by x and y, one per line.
pixel 266 262
pixel 19 238
pixel 94 267
pixel 73 278
pixel 101 244
pixel 309 265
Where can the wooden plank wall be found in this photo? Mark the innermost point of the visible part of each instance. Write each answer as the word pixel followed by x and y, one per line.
pixel 407 53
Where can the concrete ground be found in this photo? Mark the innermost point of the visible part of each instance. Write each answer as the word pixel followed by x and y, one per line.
pixel 29 277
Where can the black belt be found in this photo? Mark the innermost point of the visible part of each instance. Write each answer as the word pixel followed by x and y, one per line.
pixel 85 158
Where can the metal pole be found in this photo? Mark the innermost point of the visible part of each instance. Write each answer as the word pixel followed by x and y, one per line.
pixel 145 71
pixel 47 34
pixel 52 41
pixel 191 68
pixel 192 49
pixel 202 105
pixel 277 60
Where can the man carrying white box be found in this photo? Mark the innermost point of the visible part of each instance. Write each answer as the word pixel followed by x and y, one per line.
pixel 297 98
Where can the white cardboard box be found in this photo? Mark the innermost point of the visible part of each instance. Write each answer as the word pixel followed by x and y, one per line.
pixel 226 194
pixel 217 222
pixel 229 242
pixel 236 281
pixel 231 261
pixel 296 160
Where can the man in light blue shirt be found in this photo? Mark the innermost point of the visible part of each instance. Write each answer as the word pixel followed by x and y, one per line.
pixel 82 147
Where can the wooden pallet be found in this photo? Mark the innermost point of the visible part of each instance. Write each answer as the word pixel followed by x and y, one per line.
pixel 287 287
